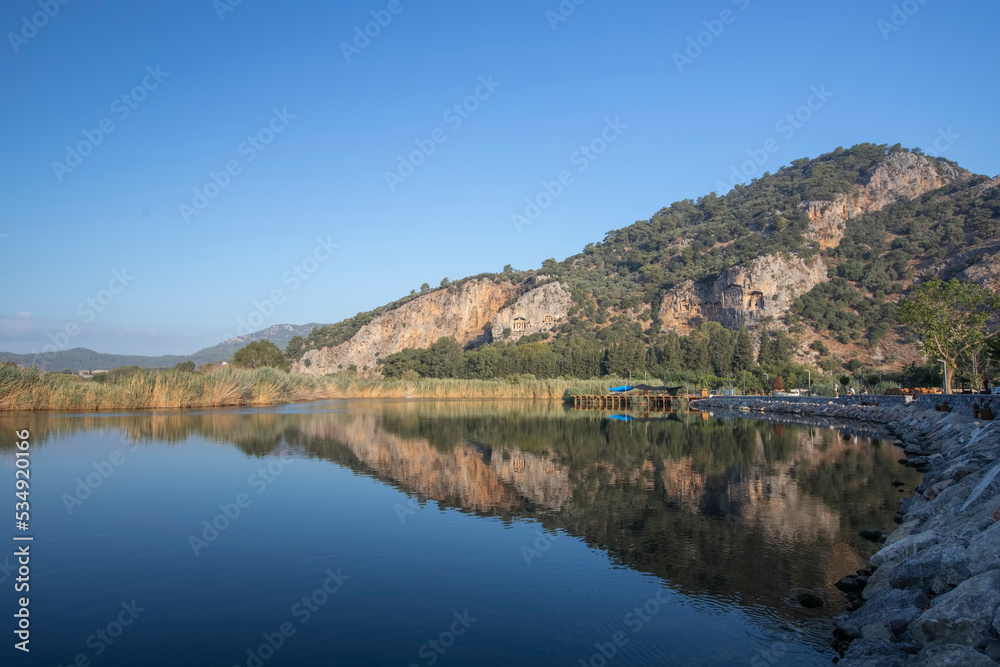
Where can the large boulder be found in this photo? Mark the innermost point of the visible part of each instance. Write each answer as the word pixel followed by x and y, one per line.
pixel 941 654
pixel 962 616
pixel 984 550
pixel 937 569
pixel 904 548
pixel 896 609
pixel 873 652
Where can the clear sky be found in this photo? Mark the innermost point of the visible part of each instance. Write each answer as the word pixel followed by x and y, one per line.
pixel 211 153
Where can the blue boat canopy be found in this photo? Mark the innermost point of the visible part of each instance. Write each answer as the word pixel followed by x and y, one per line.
pixel 624 387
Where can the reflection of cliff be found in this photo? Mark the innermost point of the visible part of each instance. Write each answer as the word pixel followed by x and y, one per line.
pixel 733 508
pixel 465 475
pixel 540 479
pixel 771 500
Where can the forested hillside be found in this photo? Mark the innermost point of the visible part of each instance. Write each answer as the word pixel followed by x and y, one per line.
pixel 878 217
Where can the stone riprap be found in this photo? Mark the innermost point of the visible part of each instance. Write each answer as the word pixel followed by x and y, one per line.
pixel 932 593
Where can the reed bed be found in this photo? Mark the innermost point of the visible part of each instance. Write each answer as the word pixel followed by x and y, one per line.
pixel 29 389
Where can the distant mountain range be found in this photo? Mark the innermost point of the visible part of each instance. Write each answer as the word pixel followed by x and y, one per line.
pixel 82 359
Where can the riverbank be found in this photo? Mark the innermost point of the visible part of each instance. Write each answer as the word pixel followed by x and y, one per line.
pixel 932 593
pixel 29 389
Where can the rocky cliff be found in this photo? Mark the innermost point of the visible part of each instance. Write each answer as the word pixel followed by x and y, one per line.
pixel 748 293
pixel 466 313
pixel 462 313
pixel 539 310
pixel 900 177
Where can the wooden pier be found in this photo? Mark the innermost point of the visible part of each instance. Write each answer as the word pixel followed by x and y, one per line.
pixel 629 401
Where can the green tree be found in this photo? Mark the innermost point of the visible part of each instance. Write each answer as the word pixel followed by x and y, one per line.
pixel 743 354
pixel 720 348
pixel 628 356
pixel 408 361
pixel 425 288
pixel 766 354
pixel 296 348
pixel 185 366
pixel 260 354
pixel 950 319
pixel 444 359
pixel 696 352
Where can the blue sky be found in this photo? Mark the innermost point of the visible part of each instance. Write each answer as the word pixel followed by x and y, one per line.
pixel 287 136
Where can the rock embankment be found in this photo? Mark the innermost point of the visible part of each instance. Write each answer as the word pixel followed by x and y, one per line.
pixel 932 593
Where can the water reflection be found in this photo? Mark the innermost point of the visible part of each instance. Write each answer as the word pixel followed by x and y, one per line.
pixel 736 509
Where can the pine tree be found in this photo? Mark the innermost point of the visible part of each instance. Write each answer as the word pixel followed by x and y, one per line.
pixel 766 356
pixel 743 355
pixel 696 354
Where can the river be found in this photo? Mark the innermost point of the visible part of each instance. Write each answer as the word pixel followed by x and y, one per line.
pixel 439 533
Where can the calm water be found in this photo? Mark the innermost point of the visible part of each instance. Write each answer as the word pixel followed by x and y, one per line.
pixel 421 533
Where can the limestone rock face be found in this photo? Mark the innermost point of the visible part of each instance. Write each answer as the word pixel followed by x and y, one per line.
pixel 747 293
pixel 460 313
pixel 541 309
pixel 900 177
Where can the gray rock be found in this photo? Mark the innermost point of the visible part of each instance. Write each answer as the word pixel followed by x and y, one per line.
pixel 961 616
pixel 993 650
pixel 879 631
pixel 940 654
pixel 907 528
pixel 939 568
pixel 984 550
pixel 896 609
pixel 996 622
pixel 904 548
pixel 873 652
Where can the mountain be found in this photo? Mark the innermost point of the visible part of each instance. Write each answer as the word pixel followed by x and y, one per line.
pixel 812 259
pixel 82 359
pixel 279 334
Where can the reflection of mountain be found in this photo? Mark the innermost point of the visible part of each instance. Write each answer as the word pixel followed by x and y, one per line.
pixel 734 508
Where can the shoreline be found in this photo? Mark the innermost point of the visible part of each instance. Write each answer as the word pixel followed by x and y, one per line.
pixel 30 390
pixel 932 593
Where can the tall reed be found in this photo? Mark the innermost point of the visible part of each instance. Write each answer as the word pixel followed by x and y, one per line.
pixel 29 389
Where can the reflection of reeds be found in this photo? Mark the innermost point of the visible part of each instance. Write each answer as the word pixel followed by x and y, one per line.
pixel 28 389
